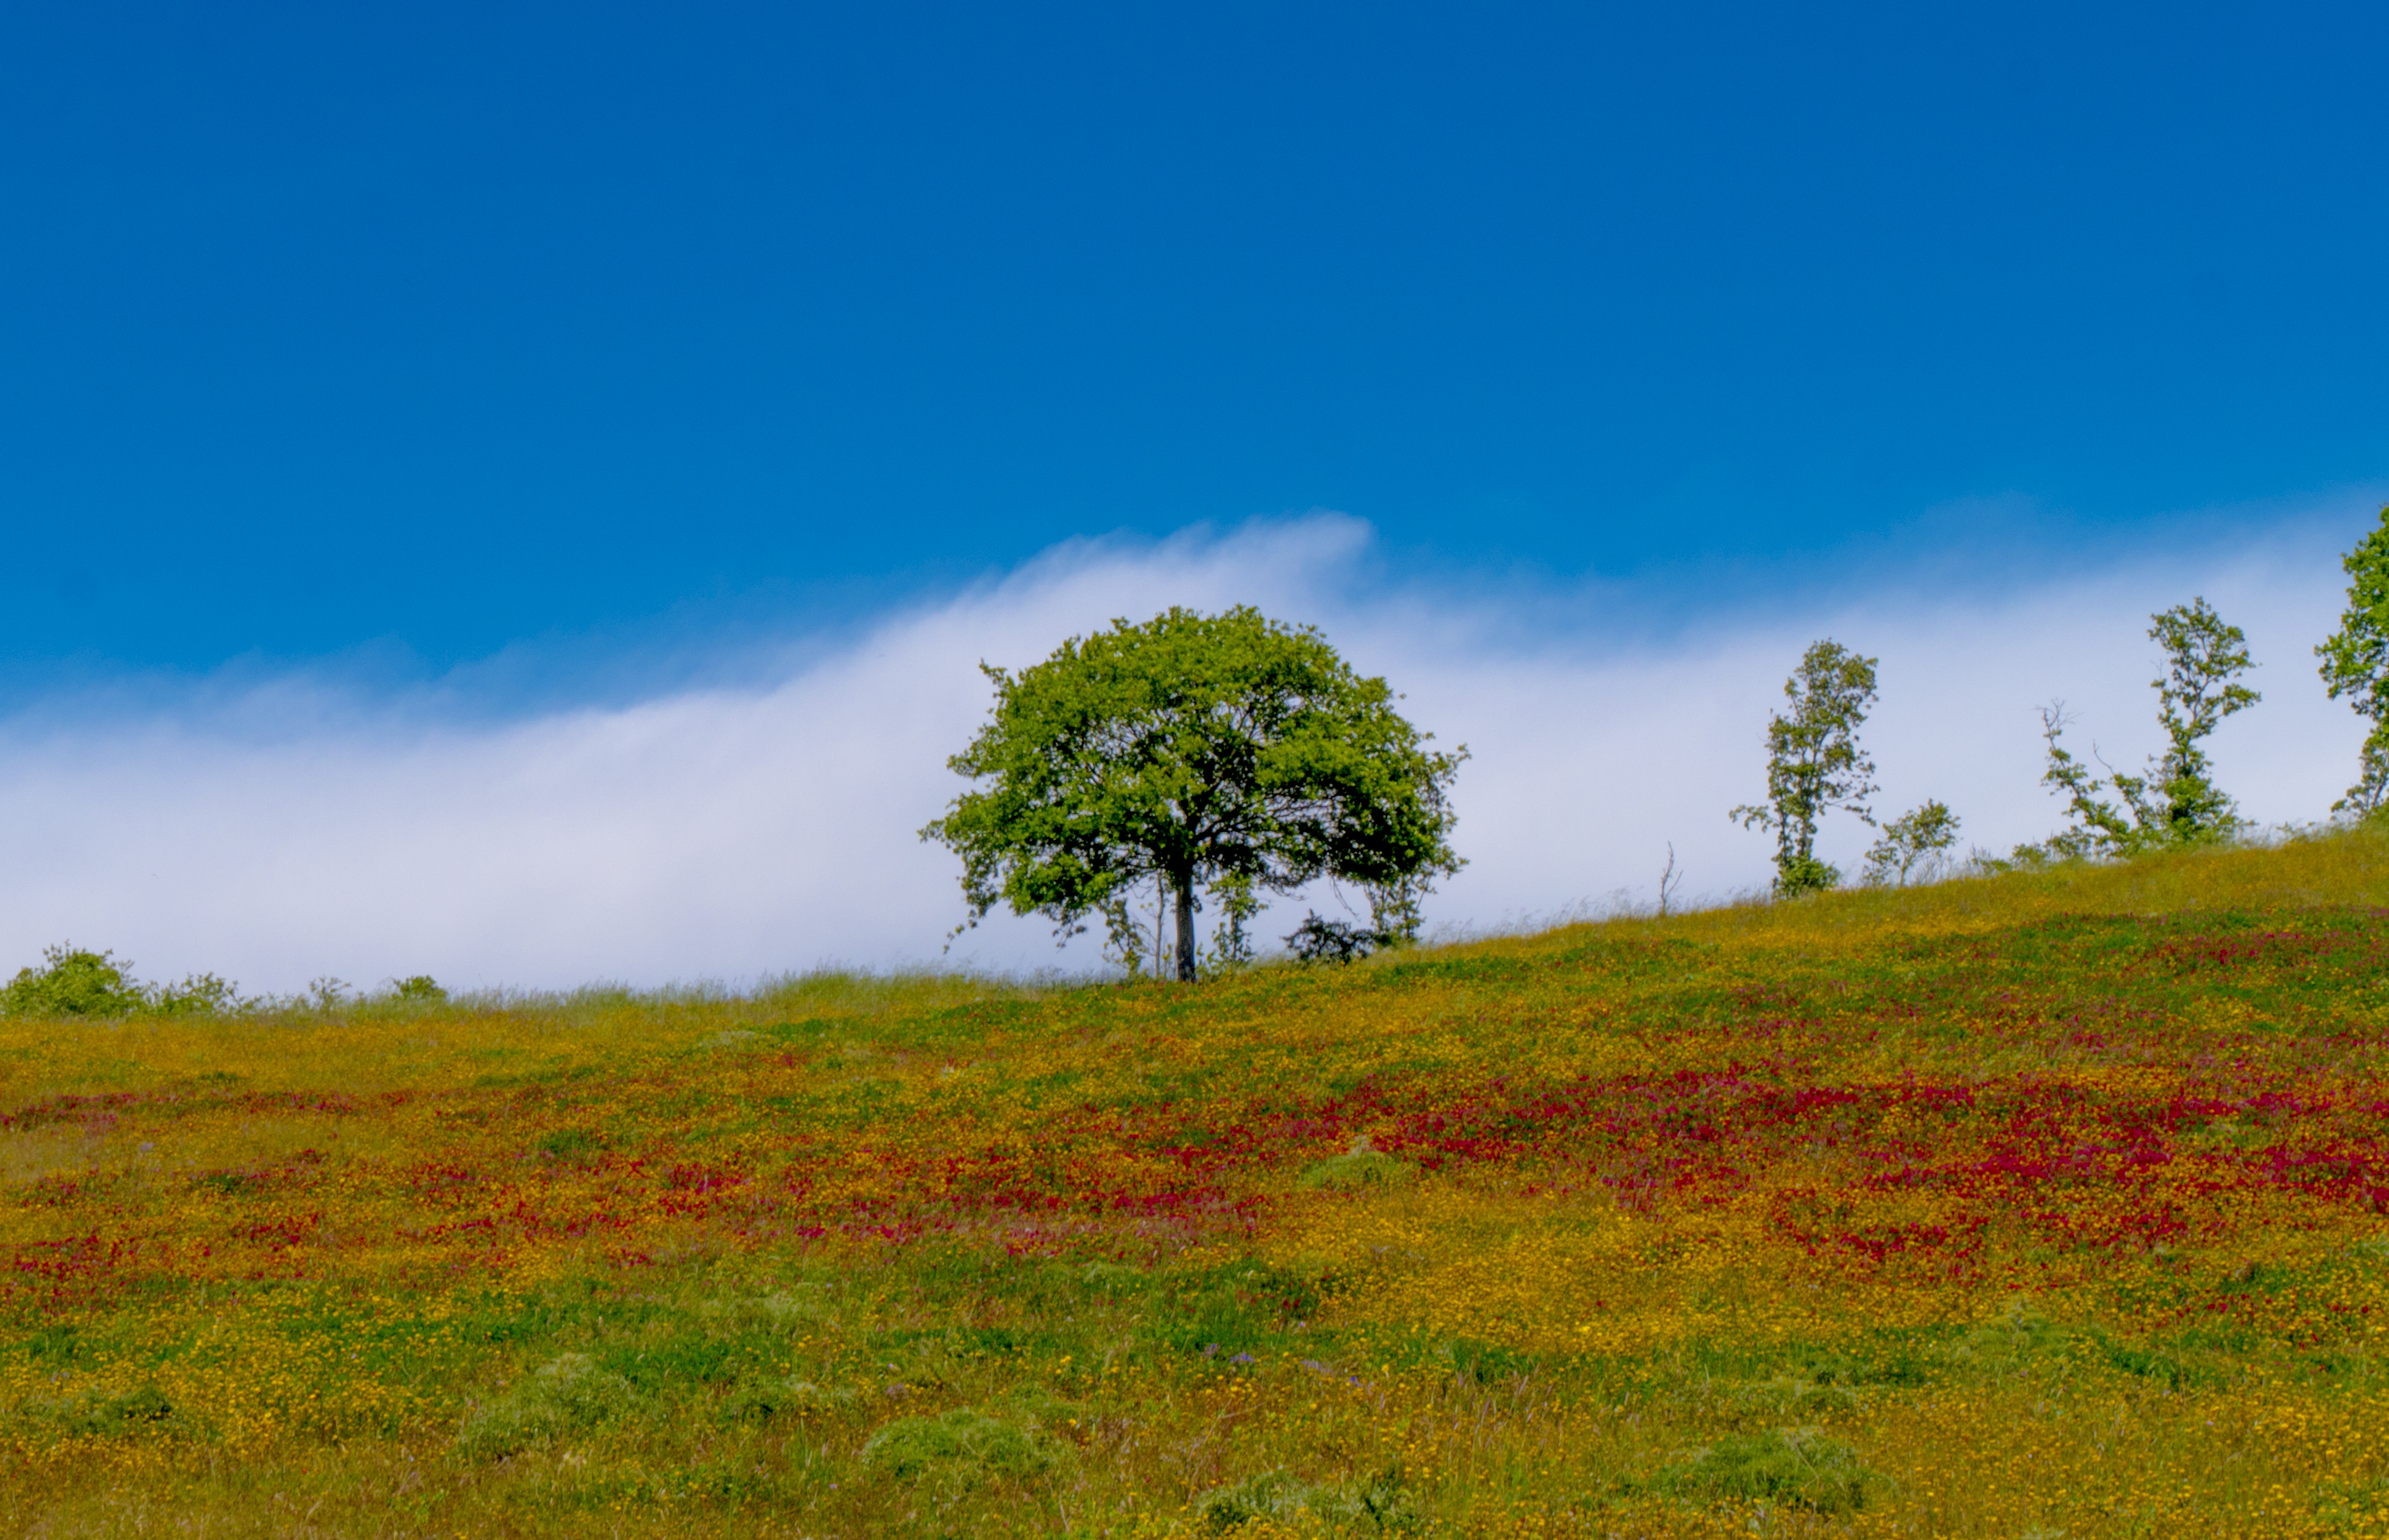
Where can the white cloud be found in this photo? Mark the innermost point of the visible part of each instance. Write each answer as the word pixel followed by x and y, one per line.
pixel 292 829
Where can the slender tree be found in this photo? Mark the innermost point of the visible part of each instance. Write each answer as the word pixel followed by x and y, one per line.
pixel 2177 803
pixel 1814 762
pixel 2356 666
pixel 1230 752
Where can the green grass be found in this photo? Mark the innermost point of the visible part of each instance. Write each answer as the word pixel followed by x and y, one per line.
pixel 2052 1202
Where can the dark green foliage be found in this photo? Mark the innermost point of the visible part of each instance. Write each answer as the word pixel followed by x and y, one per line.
pixel 1318 940
pixel 422 987
pixel 2356 666
pixel 1227 750
pixel 1814 763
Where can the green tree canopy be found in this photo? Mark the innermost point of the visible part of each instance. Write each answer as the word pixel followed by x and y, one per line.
pixel 1226 750
pixel 1814 762
pixel 2356 664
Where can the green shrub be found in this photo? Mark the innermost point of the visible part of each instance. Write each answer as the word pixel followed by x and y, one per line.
pixel 1802 875
pixel 73 981
pixel 76 981
pixel 200 995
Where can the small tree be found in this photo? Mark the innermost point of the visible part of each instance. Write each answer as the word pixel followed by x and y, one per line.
pixel 1670 881
pixel 1916 843
pixel 2177 804
pixel 1229 751
pixel 1814 763
pixel 2356 666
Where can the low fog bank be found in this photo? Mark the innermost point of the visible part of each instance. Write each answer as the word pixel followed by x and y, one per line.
pixel 294 828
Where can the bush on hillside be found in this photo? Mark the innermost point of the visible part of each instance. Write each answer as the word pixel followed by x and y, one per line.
pixel 76 981
pixel 73 981
pixel 1317 940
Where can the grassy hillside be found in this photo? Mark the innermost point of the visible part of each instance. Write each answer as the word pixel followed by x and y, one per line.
pixel 2046 1205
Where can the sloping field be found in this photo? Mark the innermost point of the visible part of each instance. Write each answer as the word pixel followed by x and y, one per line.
pixel 2052 1205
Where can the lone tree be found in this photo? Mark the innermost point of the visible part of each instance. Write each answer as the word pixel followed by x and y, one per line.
pixel 1814 763
pixel 2177 804
pixel 2356 664
pixel 1227 750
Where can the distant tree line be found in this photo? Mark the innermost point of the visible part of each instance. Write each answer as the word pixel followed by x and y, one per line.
pixel 1816 765
pixel 77 981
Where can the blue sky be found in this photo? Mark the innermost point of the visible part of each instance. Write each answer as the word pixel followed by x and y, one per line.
pixel 519 492
pixel 428 329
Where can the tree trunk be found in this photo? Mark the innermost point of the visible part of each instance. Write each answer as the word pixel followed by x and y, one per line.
pixel 1186 928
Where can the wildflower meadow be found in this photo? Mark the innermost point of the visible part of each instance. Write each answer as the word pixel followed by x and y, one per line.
pixel 2043 1204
